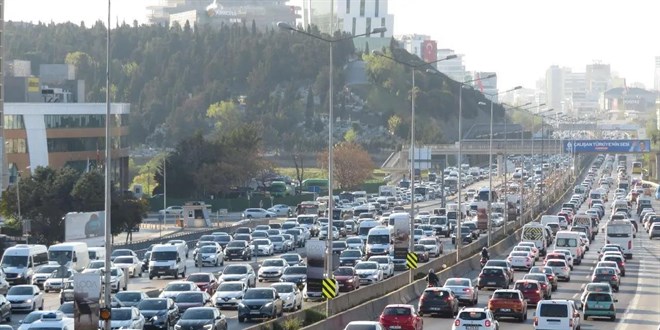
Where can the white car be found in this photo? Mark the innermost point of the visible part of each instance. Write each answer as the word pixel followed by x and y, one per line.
pixel 42 273
pixel 475 318
pixel 95 266
pixel 262 247
pixel 535 250
pixel 281 210
pixel 385 264
pixel 272 269
pixel 174 288
pixel 117 279
pixel 521 259
pixel 25 297
pixel 368 272
pixel 126 318
pixel 172 210
pixel 130 264
pixel 585 240
pixel 210 255
pixel 34 316
pixel 418 234
pixel 355 243
pixel 290 294
pixel 179 242
pixel 258 213
pixel 293 259
pixel 239 272
pixel 431 245
pixel 229 294
pixel 323 234
pixel 523 248
pixel 57 280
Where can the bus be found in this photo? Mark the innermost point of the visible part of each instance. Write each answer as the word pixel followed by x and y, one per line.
pixel 621 232
pixel 315 185
pixel 280 189
pixel 482 196
pixel 637 168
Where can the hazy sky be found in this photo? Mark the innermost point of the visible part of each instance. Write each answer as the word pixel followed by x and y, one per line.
pixel 518 39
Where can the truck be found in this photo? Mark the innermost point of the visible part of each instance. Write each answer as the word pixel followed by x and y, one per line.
pixel 385 191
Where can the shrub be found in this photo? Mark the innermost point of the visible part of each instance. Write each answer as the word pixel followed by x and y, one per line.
pixel 312 316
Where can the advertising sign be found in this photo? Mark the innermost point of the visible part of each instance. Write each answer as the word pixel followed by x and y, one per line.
pixel 33 85
pixel 315 259
pixel 85 226
pixel 401 235
pixel 429 50
pixel 613 146
pixel 86 297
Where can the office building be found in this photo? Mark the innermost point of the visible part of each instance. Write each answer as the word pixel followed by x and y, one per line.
pixel 554 87
pixel 656 80
pixel 414 43
pixel 351 16
pixel 454 68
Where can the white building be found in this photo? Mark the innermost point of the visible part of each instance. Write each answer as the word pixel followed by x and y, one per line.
pixel 454 68
pixel 554 87
pixel 413 43
pixel 656 81
pixel 352 16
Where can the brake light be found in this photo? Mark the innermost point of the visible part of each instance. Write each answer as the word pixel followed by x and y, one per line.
pixel 487 323
pixel 509 258
pixel 565 268
pixel 467 290
pixel 457 323
pixel 614 277
pixel 536 321
pixel 481 275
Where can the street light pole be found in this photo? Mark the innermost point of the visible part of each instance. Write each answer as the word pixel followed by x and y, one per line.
pixel 108 172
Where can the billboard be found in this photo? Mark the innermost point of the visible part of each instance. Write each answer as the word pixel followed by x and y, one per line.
pixel 401 235
pixel 429 51
pixel 85 226
pixel 86 297
pixel 613 146
pixel 33 85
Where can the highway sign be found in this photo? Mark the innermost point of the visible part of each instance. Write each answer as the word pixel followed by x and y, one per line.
pixel 329 288
pixel 411 260
pixel 602 146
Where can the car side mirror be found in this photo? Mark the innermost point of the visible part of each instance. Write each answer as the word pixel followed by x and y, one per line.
pixel 36 293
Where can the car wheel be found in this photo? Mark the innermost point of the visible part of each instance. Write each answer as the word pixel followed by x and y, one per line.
pixel 241 319
pixel 151 277
pixel 176 276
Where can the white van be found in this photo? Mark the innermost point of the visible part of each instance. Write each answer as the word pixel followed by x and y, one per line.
pixel 379 241
pixel 535 232
pixel 20 261
pixel 557 314
pixel 96 253
pixel 75 254
pixel 167 260
pixel 585 221
pixel 621 232
pixel 365 226
pixel 570 240
pixel 546 219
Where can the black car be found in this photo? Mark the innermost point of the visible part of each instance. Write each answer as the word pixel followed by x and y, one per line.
pixel 466 233
pixel 438 301
pixel 294 274
pixel 199 318
pixel 493 277
pixel 260 303
pixel 238 249
pixel 223 240
pixel 503 264
pixel 159 313
pixel 145 261
pixel 350 257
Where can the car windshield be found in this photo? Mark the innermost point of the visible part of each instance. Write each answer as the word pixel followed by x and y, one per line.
pixel 556 263
pixel 206 238
pixel 20 291
pixel 472 315
pixel 273 263
pixel 261 242
pixel 208 249
pixel 128 296
pixel 506 295
pixel 36 315
pixel 539 277
pixel 66 308
pixel 519 254
pixel 152 305
pixel 121 314
pixel 290 257
pixel 96 265
pixel 198 314
pixel 222 238
pixel 283 288
pixel 258 294
pixel 235 270
pixel 366 265
pixel 177 287
pixel 229 286
pixel 354 240
pixel 343 271
pixel 163 255
pixel 238 244
pixel 427 242
pixel 526 286
pixel 117 253
pixel 190 297
pixel 56 255
pixel 569 242
pixel 435 294
pixel 397 311
pixel 46 269
pixel 380 260
pixel 604 271
pixel 14 261
pixel 124 260
pixel 457 282
pixel 351 253
pixel 553 310
pixel 199 278
pixel 420 248
pixel 295 270
pixel 492 271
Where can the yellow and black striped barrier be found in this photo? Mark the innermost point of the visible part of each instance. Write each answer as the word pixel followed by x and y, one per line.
pixel 411 260
pixel 329 288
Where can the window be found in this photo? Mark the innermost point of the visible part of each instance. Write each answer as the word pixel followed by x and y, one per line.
pixel 82 121
pixel 377 8
pixel 553 310
pixel 16 146
pixel 40 259
pixel 362 5
pixel 14 122
pixel 368 29
pixel 348 6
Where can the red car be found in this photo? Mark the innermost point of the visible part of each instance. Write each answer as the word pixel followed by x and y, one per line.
pixel 569 218
pixel 531 290
pixel 347 278
pixel 204 281
pixel 399 316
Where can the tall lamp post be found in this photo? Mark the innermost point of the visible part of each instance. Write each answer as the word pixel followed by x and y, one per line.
pixel 331 41
pixel 108 182
pixel 413 68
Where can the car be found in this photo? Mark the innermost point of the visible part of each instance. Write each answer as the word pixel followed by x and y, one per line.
pixel 530 289
pixel 210 255
pixel 508 303
pixel 42 273
pixel 364 325
pixel 654 231
pixel 620 261
pixel 281 210
pixel 421 252
pixel 126 318
pixel 128 298
pixel 528 249
pixel 204 281
pixel 272 269
pixel 355 243
pixel 239 272
pixel 595 287
pixel 117 279
pixel 5 309
pixel 262 247
pixel 350 257
pixel 562 254
pixel 172 210
pixel 290 294
pixel 400 316
pixel 130 264
pixel 95 267
pixel 238 249
pixel 159 313
pixel 557 314
pixel 463 289
pixel 280 245
pixel 67 309
pixel 433 245
pixel 191 299
pixel 347 278
pixel 560 268
pixel 493 277
pixel 521 260
pixel 293 259
pixel 599 304
pixel 207 318
pixel 438 301
pixel 120 253
pixel 611 264
pixel 32 317
pixel 57 279
pixel 385 264
pixel 546 287
pixel 607 275
pixel 229 294
pixel 505 264
pixel 257 213
pixel 531 245
pixel 369 272
pixel 549 274
pixel 260 303
pixel 25 297
pixel 475 318
pixel 323 233
pixel 179 242
pixel 172 289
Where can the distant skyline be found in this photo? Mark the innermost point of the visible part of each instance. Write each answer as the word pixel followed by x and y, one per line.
pixel 518 39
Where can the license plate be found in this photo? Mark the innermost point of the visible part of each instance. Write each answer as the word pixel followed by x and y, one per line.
pixel 341 284
pixel 394 327
pixel 435 308
pixel 471 327
pixel 505 309
pixel 491 283
pixel 255 312
pixel 364 281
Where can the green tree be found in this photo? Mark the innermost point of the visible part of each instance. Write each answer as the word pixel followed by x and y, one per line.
pixel 226 115
pixel 351 135
pixel 89 192
pixel 393 124
pixel 127 213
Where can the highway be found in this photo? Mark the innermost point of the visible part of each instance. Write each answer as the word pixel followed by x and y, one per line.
pixel 144 284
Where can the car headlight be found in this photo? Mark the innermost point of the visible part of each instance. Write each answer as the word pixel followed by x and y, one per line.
pixel 155 318
pixel 268 305
pixel 29 301
pixel 177 327
pixel 241 305
pixel 208 326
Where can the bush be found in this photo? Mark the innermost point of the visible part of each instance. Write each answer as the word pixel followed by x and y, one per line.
pixel 290 323
pixel 312 316
pixel 419 276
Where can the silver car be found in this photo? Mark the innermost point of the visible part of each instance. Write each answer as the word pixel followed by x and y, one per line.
pixel 229 294
pixel 464 290
pixel 279 245
pixel 290 294
pixel 561 269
